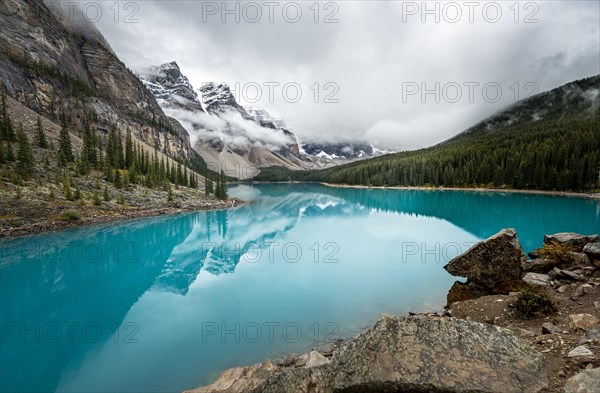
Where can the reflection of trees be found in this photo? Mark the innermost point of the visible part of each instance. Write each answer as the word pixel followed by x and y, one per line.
pixel 221 218
pixel 91 275
pixel 474 211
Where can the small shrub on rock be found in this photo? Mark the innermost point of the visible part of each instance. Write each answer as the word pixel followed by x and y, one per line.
pixel 70 215
pixel 533 301
pixel 557 253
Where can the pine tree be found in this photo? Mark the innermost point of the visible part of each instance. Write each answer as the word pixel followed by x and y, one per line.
pixel 108 173
pixel 67 189
pixel 10 131
pixel 208 186
pixel 173 175
pixel 10 155
pixel 82 166
pixel 168 171
pixel 6 128
pixel 88 154
pixel 179 179
pixel 77 195
pixel 193 183
pixel 25 161
pixel 118 182
pixel 162 171
pixel 96 198
pixel 133 174
pixel 41 140
pixel 65 149
pixel 224 194
pixel 170 196
pixel 120 154
pixel 110 149
pixel 106 195
pixel 129 153
pixel 218 187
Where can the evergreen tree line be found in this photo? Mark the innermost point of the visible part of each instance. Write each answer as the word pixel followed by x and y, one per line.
pixel 122 163
pixel 218 187
pixel 558 154
pixel 24 159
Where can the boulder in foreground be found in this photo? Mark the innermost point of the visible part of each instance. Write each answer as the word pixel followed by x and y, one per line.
pixel 421 354
pixel 587 381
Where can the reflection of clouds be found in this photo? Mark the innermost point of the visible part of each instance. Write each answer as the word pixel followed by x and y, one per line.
pixel 220 240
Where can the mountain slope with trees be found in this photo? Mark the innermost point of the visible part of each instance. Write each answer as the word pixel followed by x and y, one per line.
pixel 51 176
pixel 81 138
pixel 548 142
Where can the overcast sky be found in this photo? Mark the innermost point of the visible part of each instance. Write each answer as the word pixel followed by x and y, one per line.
pixel 373 58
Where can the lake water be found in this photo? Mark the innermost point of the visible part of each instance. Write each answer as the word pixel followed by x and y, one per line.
pixel 166 304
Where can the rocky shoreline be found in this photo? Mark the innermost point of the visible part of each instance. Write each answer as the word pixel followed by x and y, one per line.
pixel 33 212
pixel 516 325
pixel 54 225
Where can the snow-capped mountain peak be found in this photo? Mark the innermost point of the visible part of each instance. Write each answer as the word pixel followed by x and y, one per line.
pixel 326 154
pixel 171 88
pixel 217 98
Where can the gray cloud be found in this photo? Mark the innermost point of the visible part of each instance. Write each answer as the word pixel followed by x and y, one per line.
pixel 231 128
pixel 370 54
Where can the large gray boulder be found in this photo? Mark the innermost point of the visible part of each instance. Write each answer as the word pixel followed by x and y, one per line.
pixel 422 354
pixel 495 263
pixel 571 239
pixel 592 250
pixel 587 381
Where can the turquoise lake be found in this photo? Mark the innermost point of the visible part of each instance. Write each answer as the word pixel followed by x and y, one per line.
pixel 166 304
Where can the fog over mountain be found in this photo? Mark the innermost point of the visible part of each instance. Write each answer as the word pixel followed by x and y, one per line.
pixel 367 63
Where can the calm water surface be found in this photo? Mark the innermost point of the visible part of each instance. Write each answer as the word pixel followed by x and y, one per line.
pixel 165 304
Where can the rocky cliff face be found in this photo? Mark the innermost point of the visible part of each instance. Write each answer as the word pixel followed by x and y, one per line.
pixel 55 66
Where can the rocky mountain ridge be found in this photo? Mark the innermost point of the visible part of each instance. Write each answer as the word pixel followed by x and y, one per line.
pixel 224 133
pixel 230 135
pixel 56 66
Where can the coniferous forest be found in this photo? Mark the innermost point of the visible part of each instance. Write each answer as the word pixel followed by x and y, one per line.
pixel 114 158
pixel 560 152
